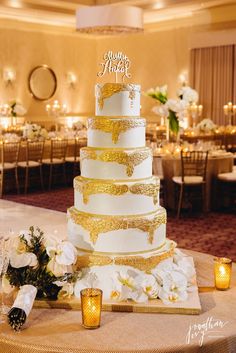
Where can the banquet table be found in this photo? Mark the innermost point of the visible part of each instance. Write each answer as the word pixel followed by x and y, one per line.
pixel 170 166
pixel 60 330
pixel 47 149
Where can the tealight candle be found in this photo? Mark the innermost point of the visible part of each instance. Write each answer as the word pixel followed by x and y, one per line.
pixel 91 306
pixel 222 271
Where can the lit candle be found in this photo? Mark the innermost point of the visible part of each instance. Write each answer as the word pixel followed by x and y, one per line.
pixel 222 271
pixel 226 109
pixel 91 306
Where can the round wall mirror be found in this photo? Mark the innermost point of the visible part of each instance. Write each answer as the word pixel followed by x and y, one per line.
pixel 42 82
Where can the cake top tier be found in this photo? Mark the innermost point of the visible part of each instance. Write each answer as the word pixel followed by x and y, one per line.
pixel 117 99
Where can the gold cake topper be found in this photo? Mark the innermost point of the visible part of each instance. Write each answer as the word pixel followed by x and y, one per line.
pixel 115 63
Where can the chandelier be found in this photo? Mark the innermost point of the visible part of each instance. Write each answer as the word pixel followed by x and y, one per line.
pixel 109 19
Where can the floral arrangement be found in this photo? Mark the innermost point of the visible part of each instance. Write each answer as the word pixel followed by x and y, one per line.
pixel 45 265
pixel 206 125
pixel 16 109
pixel 169 281
pixel 173 109
pixel 78 125
pixel 34 132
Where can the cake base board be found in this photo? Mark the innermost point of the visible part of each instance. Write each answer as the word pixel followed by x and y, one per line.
pixel 192 306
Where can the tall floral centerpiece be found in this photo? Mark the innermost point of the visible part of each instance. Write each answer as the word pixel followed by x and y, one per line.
pixel 173 110
pixel 16 109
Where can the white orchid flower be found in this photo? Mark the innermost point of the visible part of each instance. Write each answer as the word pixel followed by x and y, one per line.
pixel 62 255
pixel 119 292
pixel 174 288
pixel 126 279
pixel 149 285
pixel 138 295
pixel 18 256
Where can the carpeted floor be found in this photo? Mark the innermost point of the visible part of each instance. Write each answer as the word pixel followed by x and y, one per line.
pixel 214 233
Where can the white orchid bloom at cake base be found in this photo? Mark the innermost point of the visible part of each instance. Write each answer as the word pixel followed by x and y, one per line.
pixel 61 255
pixel 174 287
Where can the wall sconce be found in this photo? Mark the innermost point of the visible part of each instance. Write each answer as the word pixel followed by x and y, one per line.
pixel 183 78
pixel 9 76
pixel 71 79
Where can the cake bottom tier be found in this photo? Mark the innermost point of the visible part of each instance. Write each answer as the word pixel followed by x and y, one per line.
pixel 120 276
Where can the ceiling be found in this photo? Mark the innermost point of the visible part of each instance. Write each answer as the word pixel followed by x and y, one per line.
pixel 62 12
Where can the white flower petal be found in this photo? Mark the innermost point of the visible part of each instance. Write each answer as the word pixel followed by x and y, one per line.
pixel 56 269
pixel 22 260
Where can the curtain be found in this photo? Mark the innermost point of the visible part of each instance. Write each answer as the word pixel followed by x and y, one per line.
pixel 213 75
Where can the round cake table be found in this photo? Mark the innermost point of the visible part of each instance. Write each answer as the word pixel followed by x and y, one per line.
pixel 59 330
pixel 168 166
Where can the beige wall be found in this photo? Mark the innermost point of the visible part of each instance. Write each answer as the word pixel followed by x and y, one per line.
pixel 158 56
pixel 23 50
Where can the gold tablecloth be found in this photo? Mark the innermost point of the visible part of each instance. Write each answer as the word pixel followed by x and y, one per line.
pixel 57 330
pixel 169 166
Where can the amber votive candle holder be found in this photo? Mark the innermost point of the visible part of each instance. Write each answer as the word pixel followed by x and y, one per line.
pixel 222 271
pixel 91 306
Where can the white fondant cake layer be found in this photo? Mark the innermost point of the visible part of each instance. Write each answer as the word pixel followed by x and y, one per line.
pixel 119 102
pixel 124 133
pixel 105 277
pixel 116 164
pixel 115 198
pixel 128 234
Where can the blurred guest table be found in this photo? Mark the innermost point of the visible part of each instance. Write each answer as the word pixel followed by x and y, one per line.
pixel 169 165
pixel 47 148
pixel 59 330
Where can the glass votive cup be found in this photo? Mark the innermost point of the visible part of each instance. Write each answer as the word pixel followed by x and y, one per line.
pixel 222 272
pixel 91 306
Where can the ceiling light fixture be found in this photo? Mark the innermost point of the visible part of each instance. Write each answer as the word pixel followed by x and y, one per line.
pixel 109 19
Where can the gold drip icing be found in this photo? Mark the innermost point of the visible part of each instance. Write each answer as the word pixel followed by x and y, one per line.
pixel 119 156
pixel 146 189
pixel 115 127
pixel 109 89
pixel 88 188
pixel 97 224
pixel 141 263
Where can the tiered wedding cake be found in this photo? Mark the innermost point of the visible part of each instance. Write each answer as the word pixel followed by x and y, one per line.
pixel 117 224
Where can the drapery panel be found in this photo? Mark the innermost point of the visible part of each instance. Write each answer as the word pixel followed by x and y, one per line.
pixel 213 75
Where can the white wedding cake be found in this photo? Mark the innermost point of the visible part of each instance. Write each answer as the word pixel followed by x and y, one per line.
pixel 117 223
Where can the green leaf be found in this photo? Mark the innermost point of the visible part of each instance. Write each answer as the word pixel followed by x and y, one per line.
pixel 173 122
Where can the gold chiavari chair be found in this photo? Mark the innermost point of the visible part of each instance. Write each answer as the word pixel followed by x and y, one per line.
pixel 57 158
pixel 34 156
pixel 9 160
pixel 75 159
pixel 193 173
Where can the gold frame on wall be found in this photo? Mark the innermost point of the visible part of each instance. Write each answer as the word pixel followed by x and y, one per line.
pixel 32 92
